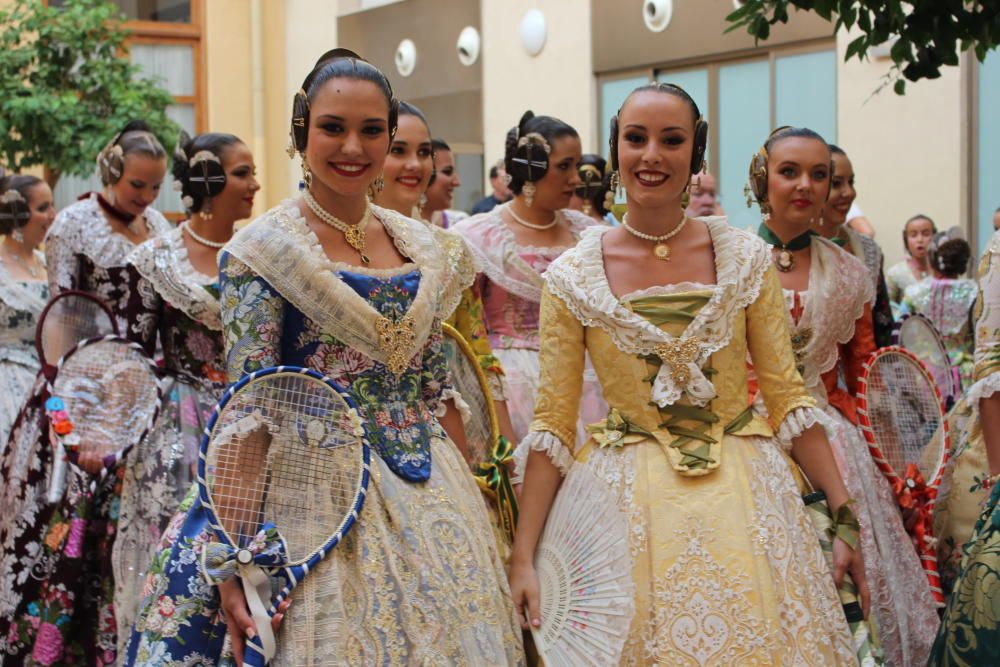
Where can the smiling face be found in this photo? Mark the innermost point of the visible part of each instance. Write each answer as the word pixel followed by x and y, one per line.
pixel 798 178
pixel 842 192
pixel 554 190
pixel 440 193
pixel 919 233
pixel 408 167
pixel 348 136
pixel 140 183
pixel 655 142
pixel 241 182
pixel 43 212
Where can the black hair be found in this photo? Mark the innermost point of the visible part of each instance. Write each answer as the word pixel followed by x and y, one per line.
pixel 548 127
pixel 600 196
pixel 440 145
pixel 214 143
pixel 783 133
pixel 407 109
pixel 951 256
pixel 596 160
pixel 669 89
pixel 594 192
pixel 17 214
pixel 138 139
pixel 834 148
pixel 699 140
pixel 494 172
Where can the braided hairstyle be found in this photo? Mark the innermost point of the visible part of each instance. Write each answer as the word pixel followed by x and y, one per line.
pixel 195 192
pixel 14 211
pixel 548 129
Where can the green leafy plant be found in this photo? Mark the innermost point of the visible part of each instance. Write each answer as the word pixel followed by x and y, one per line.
pixel 925 35
pixel 66 86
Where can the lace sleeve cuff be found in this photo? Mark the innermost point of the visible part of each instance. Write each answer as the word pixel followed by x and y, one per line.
pixel 541 441
pixel 497 386
pixel 463 408
pixel 983 388
pixel 801 419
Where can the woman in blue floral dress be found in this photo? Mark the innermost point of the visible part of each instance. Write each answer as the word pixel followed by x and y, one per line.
pixel 418 580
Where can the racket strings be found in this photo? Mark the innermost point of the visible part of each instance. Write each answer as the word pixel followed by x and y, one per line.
pixel 283 451
pixel 465 380
pixel 903 409
pixel 68 321
pixel 110 393
pixel 918 336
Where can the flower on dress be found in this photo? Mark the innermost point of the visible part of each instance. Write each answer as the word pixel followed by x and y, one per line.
pixel 75 542
pixel 48 645
pixel 201 346
pixel 617 431
pixel 56 535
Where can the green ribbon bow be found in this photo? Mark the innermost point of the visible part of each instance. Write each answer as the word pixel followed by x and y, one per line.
pixel 493 478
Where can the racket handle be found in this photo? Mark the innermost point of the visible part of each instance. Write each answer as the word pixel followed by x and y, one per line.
pixel 253 653
pixel 257 587
pixel 57 480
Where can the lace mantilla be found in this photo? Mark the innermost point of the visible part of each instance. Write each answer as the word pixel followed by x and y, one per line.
pixel 984 388
pixel 281 248
pixel 836 298
pixel 741 260
pixel 462 265
pixel 541 441
pixel 865 249
pixel 82 228
pixel 501 258
pixel 163 262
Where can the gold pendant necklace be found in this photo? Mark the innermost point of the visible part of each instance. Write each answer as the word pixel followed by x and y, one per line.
pixel 353 234
pixel 661 250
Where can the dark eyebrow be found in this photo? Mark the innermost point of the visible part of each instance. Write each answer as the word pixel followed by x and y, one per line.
pixel 633 126
pixel 674 127
pixel 330 116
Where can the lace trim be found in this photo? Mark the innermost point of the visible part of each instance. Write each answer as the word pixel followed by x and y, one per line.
pixel 462 265
pixel 464 411
pixel 280 247
pixel 20 294
pixel 865 249
pixel 498 388
pixel 800 420
pixel 836 298
pixel 499 256
pixel 164 263
pixel 984 388
pixel 741 260
pixel 541 441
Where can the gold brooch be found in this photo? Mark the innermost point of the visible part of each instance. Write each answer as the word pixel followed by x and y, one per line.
pixel 801 338
pixel 677 354
pixel 396 339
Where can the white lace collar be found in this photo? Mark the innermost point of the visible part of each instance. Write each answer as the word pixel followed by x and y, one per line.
pixel 280 247
pixel 839 288
pixel 741 260
pixel 164 263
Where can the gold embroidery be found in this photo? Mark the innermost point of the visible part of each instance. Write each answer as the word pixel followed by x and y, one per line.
pixel 801 338
pixel 394 339
pixel 677 354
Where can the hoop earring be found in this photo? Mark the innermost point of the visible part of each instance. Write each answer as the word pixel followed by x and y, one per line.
pixel 528 190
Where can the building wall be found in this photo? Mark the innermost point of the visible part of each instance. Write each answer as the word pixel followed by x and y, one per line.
pixel 558 82
pixel 907 151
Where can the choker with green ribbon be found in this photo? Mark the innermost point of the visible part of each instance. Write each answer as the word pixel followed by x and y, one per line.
pixel 785 260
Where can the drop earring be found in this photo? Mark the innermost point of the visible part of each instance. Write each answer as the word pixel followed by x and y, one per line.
pixel 17 234
pixel 765 211
pixel 307 176
pixel 528 190
pixel 686 197
pixel 380 183
pixel 821 218
pixel 206 209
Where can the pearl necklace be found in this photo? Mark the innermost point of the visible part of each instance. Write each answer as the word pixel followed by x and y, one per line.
pixel 530 225
pixel 353 234
pixel 661 250
pixel 186 226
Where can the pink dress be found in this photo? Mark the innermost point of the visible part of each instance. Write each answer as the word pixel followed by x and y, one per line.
pixel 511 284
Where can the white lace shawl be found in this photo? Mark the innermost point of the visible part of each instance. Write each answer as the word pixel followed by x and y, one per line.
pixel 461 263
pixel 741 260
pixel 280 247
pixel 19 295
pixel 164 263
pixel 499 255
pixel 838 290
pixel 82 228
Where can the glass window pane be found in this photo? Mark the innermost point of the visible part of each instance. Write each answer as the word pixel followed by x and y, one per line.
pixel 69 188
pixel 613 93
pixel 989 147
pixel 693 81
pixel 744 121
pixel 805 92
pixel 172 11
pixel 172 65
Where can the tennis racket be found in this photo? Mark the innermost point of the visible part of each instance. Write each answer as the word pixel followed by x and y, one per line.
pixel 103 398
pixel 283 472
pixel 900 412
pixel 489 451
pixel 918 335
pixel 68 318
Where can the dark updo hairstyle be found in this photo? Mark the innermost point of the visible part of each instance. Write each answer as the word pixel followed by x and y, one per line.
pixel 906 225
pixel 15 214
pixel 950 255
pixel 437 145
pixel 207 178
pixel 136 138
pixel 336 64
pixel 593 181
pixel 549 129
pixel 700 124
pixel 758 163
pixel 837 150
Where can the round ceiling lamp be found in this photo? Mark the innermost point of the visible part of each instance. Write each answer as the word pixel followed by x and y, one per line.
pixel 657 14
pixel 533 32
pixel 406 57
pixel 468 46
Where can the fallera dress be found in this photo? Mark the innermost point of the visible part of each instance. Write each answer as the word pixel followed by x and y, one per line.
pixel 947 303
pixel 831 328
pixel 511 282
pixel 867 250
pixel 418 580
pixel 726 564
pixel 898 278
pixel 56 583
pixel 21 301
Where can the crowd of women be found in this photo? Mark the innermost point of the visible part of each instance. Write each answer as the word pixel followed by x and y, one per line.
pixel 705 374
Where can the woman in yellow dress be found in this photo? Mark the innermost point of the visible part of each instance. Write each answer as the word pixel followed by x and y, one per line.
pixel 726 565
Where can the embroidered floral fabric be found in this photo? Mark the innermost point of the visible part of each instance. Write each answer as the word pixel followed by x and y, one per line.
pixel 20 304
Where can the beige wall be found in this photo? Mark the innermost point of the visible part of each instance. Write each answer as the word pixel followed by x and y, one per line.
pixel 906 151
pixel 558 82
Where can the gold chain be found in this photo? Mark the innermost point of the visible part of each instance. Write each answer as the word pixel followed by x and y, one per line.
pixel 354 234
